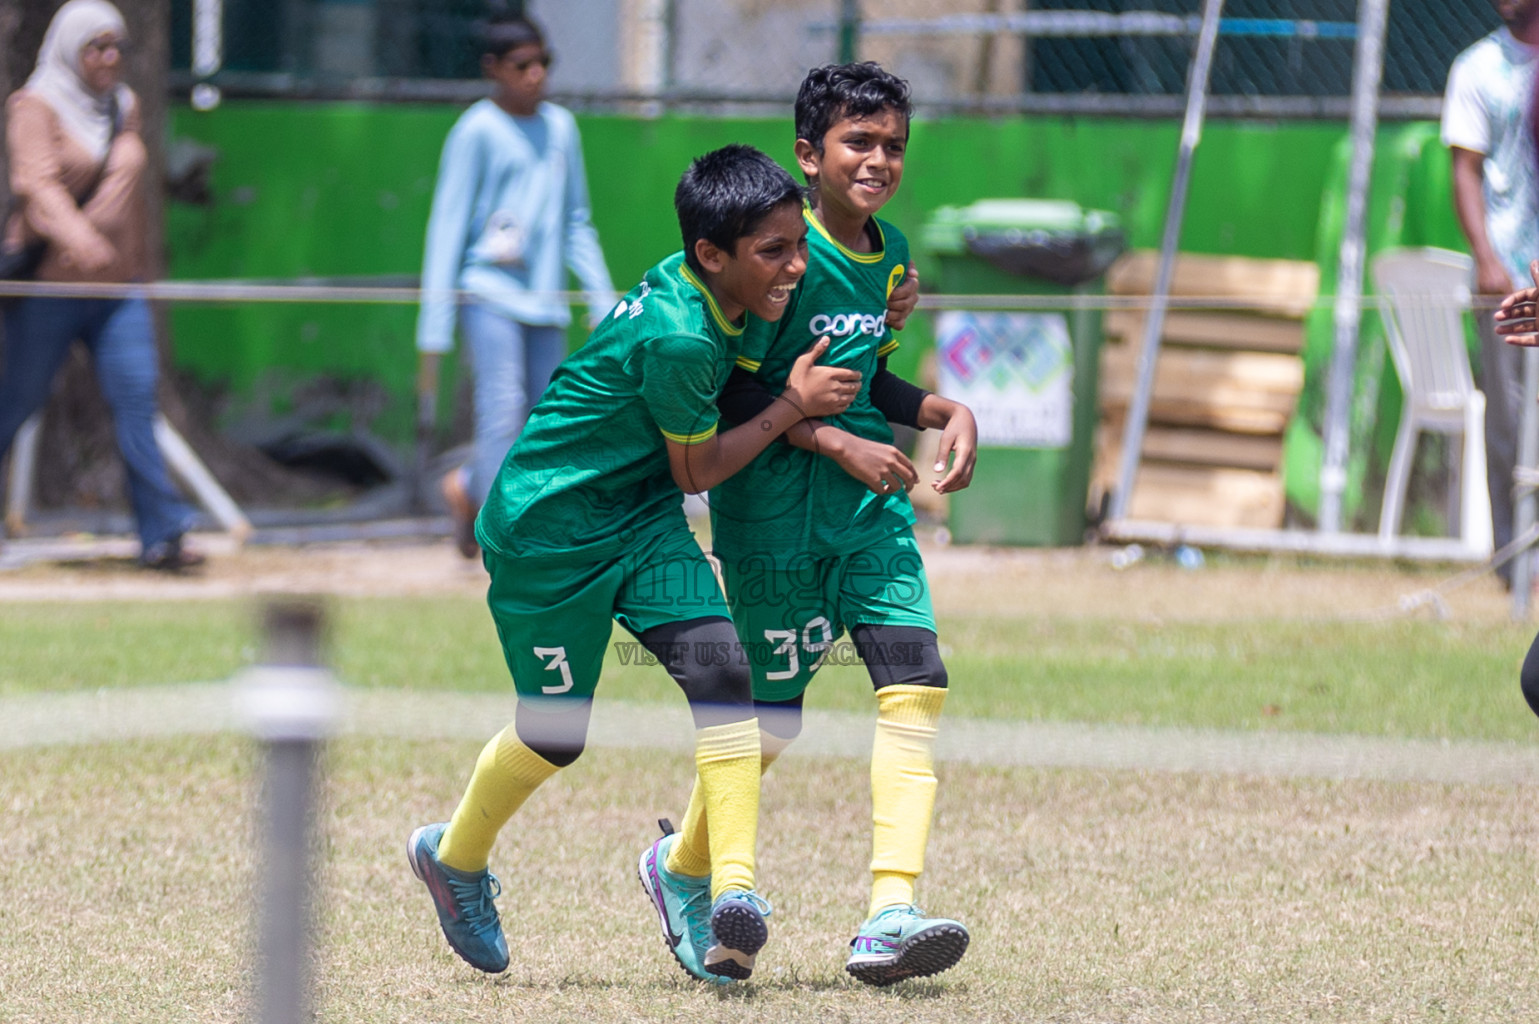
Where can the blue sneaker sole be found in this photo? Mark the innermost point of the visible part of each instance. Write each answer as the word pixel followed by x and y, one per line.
pixel 740 933
pixel 922 954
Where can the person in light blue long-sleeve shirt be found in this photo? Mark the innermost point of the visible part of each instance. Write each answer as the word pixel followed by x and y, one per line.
pixel 509 218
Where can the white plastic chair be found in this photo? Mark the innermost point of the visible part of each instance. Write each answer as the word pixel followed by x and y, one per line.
pixel 1423 296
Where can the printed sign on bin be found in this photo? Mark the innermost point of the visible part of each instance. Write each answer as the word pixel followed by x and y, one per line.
pixel 1014 370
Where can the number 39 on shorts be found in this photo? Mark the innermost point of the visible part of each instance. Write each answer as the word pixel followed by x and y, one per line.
pixel 817 638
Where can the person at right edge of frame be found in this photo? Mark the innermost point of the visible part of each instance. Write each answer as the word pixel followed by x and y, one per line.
pixel 1517 324
pixel 1487 127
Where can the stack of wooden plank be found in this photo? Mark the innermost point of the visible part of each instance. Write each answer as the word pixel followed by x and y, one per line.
pixel 1226 382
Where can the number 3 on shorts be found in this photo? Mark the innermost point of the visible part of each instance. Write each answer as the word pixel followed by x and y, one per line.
pixel 557 656
pixel 786 645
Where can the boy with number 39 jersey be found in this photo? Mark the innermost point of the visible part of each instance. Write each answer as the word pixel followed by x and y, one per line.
pixel 792 502
pixel 816 537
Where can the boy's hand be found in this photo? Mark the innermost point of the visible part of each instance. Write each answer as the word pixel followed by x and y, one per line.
pixel 959 446
pixel 820 390
pixel 880 467
pixel 1515 318
pixel 903 300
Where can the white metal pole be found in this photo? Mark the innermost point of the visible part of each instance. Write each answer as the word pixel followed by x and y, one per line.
pixel 18 495
pixel 1154 324
pixel 184 462
pixel 207 51
pixel 1368 73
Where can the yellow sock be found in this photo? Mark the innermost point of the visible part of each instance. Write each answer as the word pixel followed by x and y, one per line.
pixel 506 773
pixel 727 764
pixel 691 855
pixel 902 789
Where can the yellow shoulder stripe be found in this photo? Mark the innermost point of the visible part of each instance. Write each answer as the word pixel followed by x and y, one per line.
pixel 704 435
pixel 727 326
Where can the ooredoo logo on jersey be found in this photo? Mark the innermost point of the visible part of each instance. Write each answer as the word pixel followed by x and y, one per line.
pixel 846 325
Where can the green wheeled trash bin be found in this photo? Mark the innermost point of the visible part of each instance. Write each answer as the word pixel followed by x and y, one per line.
pixel 1030 376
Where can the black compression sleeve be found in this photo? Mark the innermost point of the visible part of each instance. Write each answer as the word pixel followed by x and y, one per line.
pixel 705 658
pixel 895 397
pixel 743 397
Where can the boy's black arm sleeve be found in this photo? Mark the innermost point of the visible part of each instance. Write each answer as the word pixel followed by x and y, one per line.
pixel 895 397
pixel 743 397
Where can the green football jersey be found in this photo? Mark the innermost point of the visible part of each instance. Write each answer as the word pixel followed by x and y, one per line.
pixel 789 501
pixel 589 473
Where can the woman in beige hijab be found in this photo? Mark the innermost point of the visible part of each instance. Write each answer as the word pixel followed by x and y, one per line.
pixel 76 165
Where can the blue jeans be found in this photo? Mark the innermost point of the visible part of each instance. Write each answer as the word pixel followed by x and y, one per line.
pixel 120 337
pixel 512 363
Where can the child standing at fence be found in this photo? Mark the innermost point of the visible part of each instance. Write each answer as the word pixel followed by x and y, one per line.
pixel 816 537
pixel 509 218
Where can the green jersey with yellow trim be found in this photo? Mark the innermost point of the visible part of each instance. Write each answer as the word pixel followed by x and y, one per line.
pixel 589 474
pixel 790 501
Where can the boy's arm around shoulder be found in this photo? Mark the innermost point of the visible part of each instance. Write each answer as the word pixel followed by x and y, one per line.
pixel 745 397
pixel 700 463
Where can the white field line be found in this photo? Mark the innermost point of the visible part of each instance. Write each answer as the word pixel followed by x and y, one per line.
pixel 209 708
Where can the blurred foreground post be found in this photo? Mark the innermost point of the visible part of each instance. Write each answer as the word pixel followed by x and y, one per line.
pixel 291 704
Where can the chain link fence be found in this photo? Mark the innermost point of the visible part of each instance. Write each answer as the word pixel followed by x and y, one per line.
pixel 1275 57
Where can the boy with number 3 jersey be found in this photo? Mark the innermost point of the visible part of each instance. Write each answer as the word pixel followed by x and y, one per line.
pixel 816 537
pixel 584 527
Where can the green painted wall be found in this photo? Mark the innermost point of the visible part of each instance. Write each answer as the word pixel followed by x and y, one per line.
pixel 343 189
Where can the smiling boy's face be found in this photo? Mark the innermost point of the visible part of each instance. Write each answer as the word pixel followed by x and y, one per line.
pixel 861 164
pixel 764 268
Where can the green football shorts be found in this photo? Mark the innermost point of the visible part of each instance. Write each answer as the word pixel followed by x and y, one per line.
pixel 789 614
pixel 555 617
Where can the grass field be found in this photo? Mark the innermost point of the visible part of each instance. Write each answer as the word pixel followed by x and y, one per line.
pixel 1092 895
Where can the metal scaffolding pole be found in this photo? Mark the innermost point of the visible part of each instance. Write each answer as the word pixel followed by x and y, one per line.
pixel 1368 72
pixel 1154 326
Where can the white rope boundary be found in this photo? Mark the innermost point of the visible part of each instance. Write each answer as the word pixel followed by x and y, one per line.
pixel 205 709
